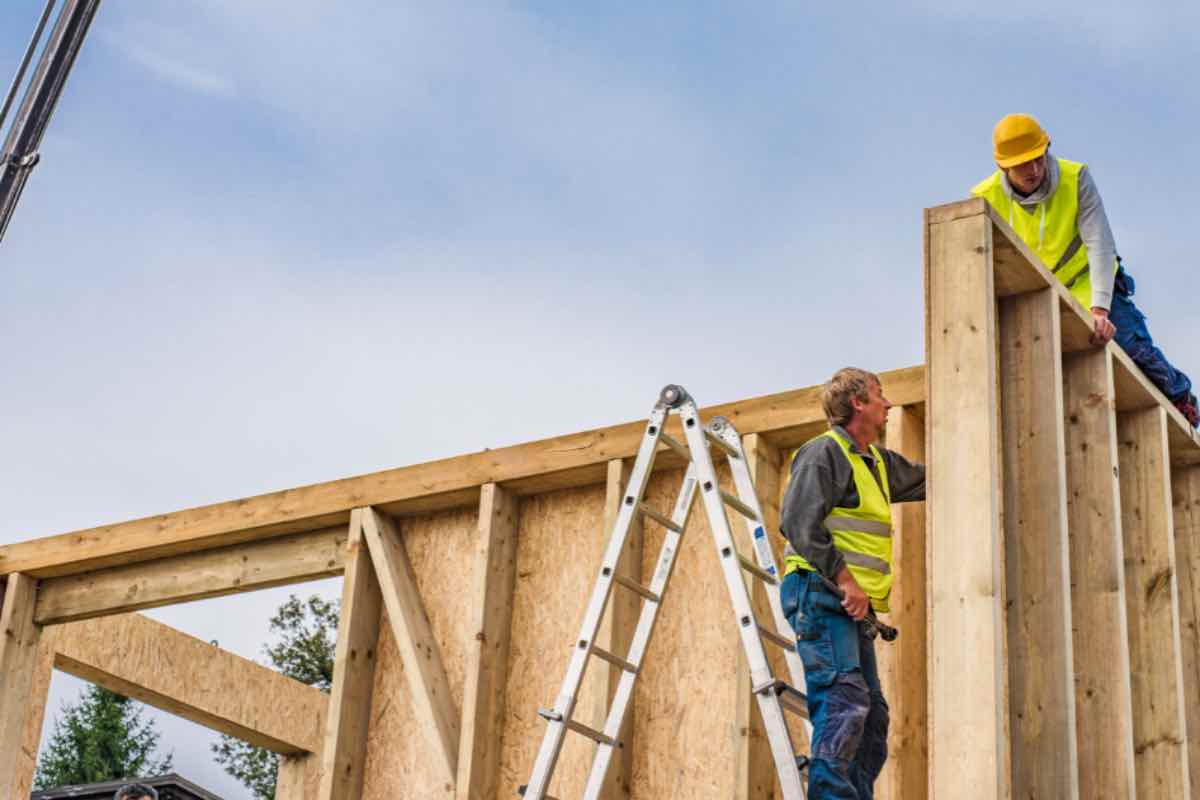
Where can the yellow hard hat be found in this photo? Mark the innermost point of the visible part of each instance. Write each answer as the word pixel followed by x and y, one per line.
pixel 1018 138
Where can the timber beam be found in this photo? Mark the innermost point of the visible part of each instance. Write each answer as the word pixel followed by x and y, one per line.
pixel 578 459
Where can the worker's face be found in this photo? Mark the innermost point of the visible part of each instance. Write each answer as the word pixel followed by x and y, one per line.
pixel 873 412
pixel 1027 177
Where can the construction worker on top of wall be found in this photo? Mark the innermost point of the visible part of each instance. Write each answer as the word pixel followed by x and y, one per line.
pixel 837 518
pixel 1054 206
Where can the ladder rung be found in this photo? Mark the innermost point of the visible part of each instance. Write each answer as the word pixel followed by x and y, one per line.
pixel 737 505
pixel 790 698
pixel 615 660
pixel 676 445
pixel 550 715
pixel 729 449
pixel 637 588
pixel 774 638
pixel 591 733
pixel 665 521
pixel 521 791
pixel 757 571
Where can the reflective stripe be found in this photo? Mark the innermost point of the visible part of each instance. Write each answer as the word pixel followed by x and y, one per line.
pixel 1069 253
pixel 868 562
pixel 838 523
pixel 1087 268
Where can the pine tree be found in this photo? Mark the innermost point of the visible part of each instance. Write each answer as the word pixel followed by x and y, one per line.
pixel 102 737
pixel 306 637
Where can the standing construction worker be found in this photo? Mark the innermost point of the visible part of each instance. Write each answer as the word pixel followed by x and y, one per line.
pixel 1054 206
pixel 837 518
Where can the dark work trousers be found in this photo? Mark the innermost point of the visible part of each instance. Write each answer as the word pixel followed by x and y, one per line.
pixel 845 703
pixel 1134 338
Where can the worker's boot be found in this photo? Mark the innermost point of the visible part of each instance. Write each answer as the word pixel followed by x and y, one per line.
pixel 1187 406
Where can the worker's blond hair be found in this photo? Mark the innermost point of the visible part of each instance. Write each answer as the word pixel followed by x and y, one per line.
pixel 838 392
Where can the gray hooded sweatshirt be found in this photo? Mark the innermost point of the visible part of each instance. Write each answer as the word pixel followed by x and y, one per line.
pixel 1091 220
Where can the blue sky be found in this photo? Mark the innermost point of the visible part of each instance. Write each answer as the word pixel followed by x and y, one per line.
pixel 275 243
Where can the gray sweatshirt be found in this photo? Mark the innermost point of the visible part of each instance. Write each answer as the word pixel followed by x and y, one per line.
pixel 822 479
pixel 1092 223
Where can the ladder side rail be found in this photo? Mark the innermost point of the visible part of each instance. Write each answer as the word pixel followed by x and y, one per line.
pixel 663 570
pixel 564 704
pixel 763 554
pixel 782 748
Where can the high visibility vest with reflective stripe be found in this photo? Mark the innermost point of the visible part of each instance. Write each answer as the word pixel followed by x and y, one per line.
pixel 863 535
pixel 1051 230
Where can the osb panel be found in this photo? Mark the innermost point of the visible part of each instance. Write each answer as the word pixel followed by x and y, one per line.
pixel 399 762
pixel 685 699
pixel 559 547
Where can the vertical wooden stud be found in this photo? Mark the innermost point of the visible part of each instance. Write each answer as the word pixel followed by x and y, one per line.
pixel 968 683
pixel 18 663
pixel 1152 605
pixel 1103 706
pixel 21 784
pixel 1041 674
pixel 1185 492
pixel 349 717
pixel 902 663
pixel 298 776
pixel 492 583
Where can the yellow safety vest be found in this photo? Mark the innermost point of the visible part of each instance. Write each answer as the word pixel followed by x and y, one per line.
pixel 1051 230
pixel 863 534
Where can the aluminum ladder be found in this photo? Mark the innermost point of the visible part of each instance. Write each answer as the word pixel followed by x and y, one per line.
pixel 774 696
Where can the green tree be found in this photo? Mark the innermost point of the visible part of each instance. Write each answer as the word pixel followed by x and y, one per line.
pixel 102 737
pixel 305 637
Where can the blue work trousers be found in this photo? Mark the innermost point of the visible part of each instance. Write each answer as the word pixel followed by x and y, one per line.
pixel 1135 340
pixel 845 703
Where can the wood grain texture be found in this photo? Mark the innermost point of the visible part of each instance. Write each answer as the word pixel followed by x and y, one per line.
pixel 755 777
pixel 437 717
pixel 155 664
pixel 968 705
pixel 1185 493
pixel 20 784
pixel 195 576
pixel 492 583
pixel 1159 727
pixel 902 662
pixel 1103 705
pixel 344 749
pixel 561 462
pixel 1041 672
pixel 402 760
pixel 18 663
pixel 299 777
pixel 615 635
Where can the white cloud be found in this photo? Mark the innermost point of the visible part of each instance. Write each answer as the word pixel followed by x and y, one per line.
pixel 147 46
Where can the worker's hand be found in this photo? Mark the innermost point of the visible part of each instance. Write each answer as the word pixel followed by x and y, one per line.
pixel 854 600
pixel 1102 328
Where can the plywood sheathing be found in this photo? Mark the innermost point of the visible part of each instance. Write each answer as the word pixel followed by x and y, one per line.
pixel 686 696
pixel 559 547
pixel 399 758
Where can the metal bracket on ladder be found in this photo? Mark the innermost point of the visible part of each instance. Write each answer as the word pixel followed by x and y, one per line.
pixel 773 696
